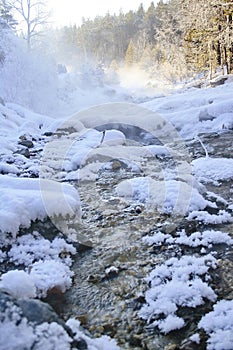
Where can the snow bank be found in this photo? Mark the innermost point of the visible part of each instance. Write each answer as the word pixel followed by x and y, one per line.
pixel 197 111
pixel 19 333
pixel 159 151
pixel 47 336
pixel 213 169
pixel 15 122
pixel 71 152
pixel 168 196
pixel 24 200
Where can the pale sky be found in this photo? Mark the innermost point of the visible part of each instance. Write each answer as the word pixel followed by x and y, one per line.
pixel 65 12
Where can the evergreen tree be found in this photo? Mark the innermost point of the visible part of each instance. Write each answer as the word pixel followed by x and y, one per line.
pixel 140 17
pixel 150 24
pixel 181 36
pixel 209 34
pixel 6 14
pixel 130 56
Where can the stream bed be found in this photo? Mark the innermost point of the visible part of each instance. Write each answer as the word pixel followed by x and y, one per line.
pixel 109 282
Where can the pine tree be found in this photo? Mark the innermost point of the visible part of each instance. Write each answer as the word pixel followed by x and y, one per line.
pixel 150 24
pixel 130 56
pixel 6 15
pixel 209 34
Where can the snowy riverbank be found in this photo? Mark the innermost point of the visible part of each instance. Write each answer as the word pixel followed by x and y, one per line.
pixel 153 159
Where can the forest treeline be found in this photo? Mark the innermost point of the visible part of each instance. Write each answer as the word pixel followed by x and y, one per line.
pixel 184 36
pixel 181 37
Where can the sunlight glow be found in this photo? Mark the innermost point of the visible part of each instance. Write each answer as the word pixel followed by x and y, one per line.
pixel 66 12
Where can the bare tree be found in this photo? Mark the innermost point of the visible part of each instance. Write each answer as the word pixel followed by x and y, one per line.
pixel 34 16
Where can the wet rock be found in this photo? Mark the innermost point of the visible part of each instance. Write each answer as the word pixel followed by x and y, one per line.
pixel 24 152
pixel 132 132
pixel 5 298
pixel 32 313
pixel 116 165
pixel 37 311
pixel 218 81
pixel 111 272
pixel 136 340
pixel 138 302
pixel 171 347
pixel 80 344
pixel 48 133
pixel 138 209
pixel 83 319
pixel 55 298
pixel 26 143
pixel 93 279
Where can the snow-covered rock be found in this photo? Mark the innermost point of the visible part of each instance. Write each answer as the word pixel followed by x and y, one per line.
pixel 24 200
pixel 213 169
pixel 218 324
pixel 175 284
pixel 18 283
pixel 169 196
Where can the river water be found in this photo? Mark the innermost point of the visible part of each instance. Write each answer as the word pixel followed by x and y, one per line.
pixel 109 282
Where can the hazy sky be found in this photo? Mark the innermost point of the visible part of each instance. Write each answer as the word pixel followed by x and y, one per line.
pixel 65 12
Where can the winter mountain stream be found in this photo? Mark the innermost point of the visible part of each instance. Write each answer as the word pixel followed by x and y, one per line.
pixel 109 279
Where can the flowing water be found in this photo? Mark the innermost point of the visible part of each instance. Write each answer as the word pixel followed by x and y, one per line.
pixel 109 285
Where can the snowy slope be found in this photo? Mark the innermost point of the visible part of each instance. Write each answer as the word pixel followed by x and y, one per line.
pixel 197 110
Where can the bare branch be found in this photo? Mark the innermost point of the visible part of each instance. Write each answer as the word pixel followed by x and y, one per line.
pixel 34 15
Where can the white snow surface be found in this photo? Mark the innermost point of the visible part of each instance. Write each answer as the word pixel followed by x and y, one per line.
pixel 18 283
pixel 197 239
pixel 177 283
pixel 213 169
pixel 29 248
pixel 50 274
pixel 23 336
pixel 43 276
pixel 218 324
pixel 168 195
pixel 197 111
pixel 24 200
pixel 17 121
pixel 203 216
